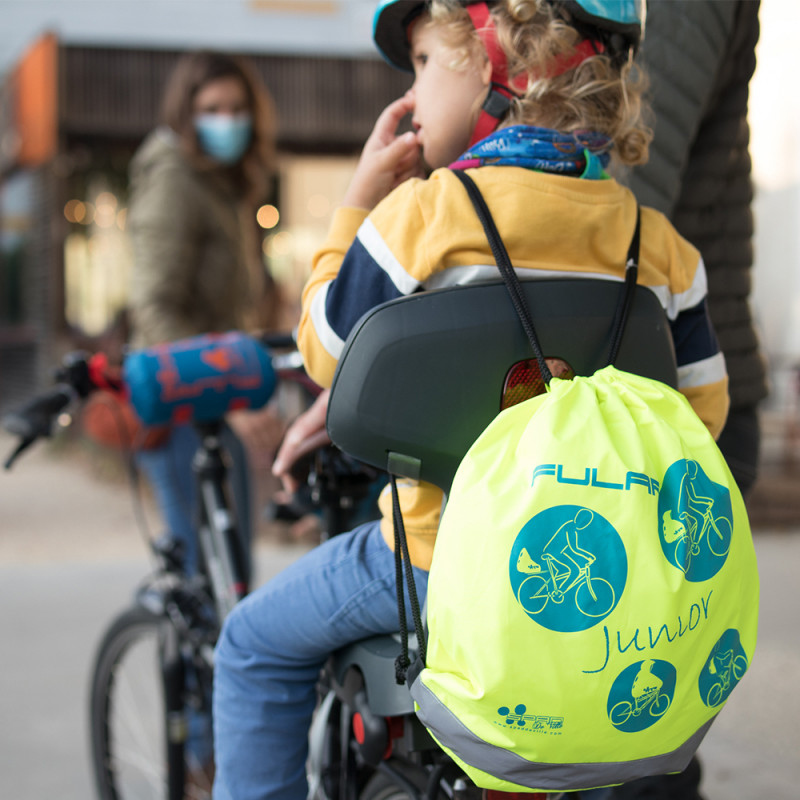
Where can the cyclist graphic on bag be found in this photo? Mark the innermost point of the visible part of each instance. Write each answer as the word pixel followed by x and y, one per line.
pixel 724 668
pixel 695 520
pixel 645 683
pixel 696 505
pixel 641 695
pixel 563 568
pixel 563 552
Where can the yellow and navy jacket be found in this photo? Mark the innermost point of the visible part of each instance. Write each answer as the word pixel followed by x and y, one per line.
pixel 426 235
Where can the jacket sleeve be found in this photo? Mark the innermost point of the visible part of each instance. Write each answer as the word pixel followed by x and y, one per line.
pixel 684 45
pixel 166 237
pixel 367 260
pixel 702 375
pixel 317 342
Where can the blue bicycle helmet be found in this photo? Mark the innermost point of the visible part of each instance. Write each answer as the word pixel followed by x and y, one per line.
pixel 618 23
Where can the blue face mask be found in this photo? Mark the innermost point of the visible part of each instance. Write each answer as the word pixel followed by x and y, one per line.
pixel 223 137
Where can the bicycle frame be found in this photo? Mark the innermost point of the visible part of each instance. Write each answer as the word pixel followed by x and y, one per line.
pixel 220 545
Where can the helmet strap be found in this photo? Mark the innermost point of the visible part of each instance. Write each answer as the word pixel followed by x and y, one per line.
pixel 498 101
pixel 586 49
pixel 501 90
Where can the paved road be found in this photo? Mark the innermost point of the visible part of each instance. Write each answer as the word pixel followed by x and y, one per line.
pixel 70 556
pixel 51 619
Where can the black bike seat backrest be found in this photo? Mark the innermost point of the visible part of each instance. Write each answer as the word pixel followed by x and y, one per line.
pixel 420 377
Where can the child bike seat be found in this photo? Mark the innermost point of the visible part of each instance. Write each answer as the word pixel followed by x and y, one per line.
pixel 421 377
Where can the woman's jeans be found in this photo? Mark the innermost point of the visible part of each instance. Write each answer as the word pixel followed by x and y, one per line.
pixel 169 471
pixel 272 648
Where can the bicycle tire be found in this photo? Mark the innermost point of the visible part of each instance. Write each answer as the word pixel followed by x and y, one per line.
pixel 382 786
pixel 719 535
pixel 660 705
pixel 595 597
pixel 533 600
pixel 131 758
pixel 683 553
pixel 715 695
pixel 739 667
pixel 621 712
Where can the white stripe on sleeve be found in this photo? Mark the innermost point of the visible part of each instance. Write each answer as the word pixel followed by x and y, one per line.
pixel 379 251
pixel 700 373
pixel 675 303
pixel 328 338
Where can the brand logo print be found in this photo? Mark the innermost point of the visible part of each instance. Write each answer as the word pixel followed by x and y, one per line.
pixel 641 694
pixel 519 718
pixel 695 521
pixel 568 568
pixel 591 477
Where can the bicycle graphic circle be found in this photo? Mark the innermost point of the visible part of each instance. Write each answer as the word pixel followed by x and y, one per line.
pixel 641 694
pixel 696 521
pixel 568 568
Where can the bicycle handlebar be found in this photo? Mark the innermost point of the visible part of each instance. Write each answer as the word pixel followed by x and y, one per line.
pixel 35 419
pixel 80 374
pixel 335 482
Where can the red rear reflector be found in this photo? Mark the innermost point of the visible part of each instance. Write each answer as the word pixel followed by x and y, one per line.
pixel 524 380
pixel 358 728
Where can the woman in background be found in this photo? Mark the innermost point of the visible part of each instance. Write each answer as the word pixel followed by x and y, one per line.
pixel 196 182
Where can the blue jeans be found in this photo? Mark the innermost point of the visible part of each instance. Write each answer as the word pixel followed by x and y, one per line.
pixel 169 472
pixel 272 648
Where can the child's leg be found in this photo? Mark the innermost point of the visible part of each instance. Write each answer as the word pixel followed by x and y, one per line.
pixel 272 648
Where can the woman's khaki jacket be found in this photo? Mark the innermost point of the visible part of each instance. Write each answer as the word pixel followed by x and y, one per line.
pixel 190 235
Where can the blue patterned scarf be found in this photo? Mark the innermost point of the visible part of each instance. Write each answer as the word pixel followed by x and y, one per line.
pixel 580 154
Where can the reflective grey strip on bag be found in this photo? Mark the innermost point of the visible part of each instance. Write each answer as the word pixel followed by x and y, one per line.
pixel 505 765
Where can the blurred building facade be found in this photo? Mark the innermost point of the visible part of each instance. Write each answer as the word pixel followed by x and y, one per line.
pixel 70 119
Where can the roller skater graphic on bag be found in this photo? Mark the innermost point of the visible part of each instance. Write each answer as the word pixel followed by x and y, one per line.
pixel 556 586
pixel 696 521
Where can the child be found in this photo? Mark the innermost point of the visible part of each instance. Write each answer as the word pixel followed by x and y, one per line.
pixel 559 89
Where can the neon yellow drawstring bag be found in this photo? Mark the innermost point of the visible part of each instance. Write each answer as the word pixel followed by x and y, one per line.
pixel 593 596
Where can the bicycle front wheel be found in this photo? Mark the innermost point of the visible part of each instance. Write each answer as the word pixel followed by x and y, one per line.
pixel 138 745
pixel 595 597
pixel 719 535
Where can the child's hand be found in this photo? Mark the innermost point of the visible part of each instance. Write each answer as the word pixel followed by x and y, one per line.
pixel 305 434
pixel 387 159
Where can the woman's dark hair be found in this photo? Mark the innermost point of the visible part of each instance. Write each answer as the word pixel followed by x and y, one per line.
pixel 192 73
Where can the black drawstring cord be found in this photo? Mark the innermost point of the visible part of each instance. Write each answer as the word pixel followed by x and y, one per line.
pixel 401 556
pixel 506 270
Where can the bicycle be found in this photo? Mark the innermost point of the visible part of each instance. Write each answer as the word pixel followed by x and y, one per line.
pixel 716 530
pixel 594 597
pixel 654 702
pixel 152 676
pixel 735 667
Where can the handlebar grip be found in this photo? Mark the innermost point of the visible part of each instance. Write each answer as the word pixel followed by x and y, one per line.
pixel 35 419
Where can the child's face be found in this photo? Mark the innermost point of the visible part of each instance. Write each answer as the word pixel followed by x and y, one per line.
pixel 446 100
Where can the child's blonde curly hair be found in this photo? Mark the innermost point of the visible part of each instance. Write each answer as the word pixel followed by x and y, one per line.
pixel 598 95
